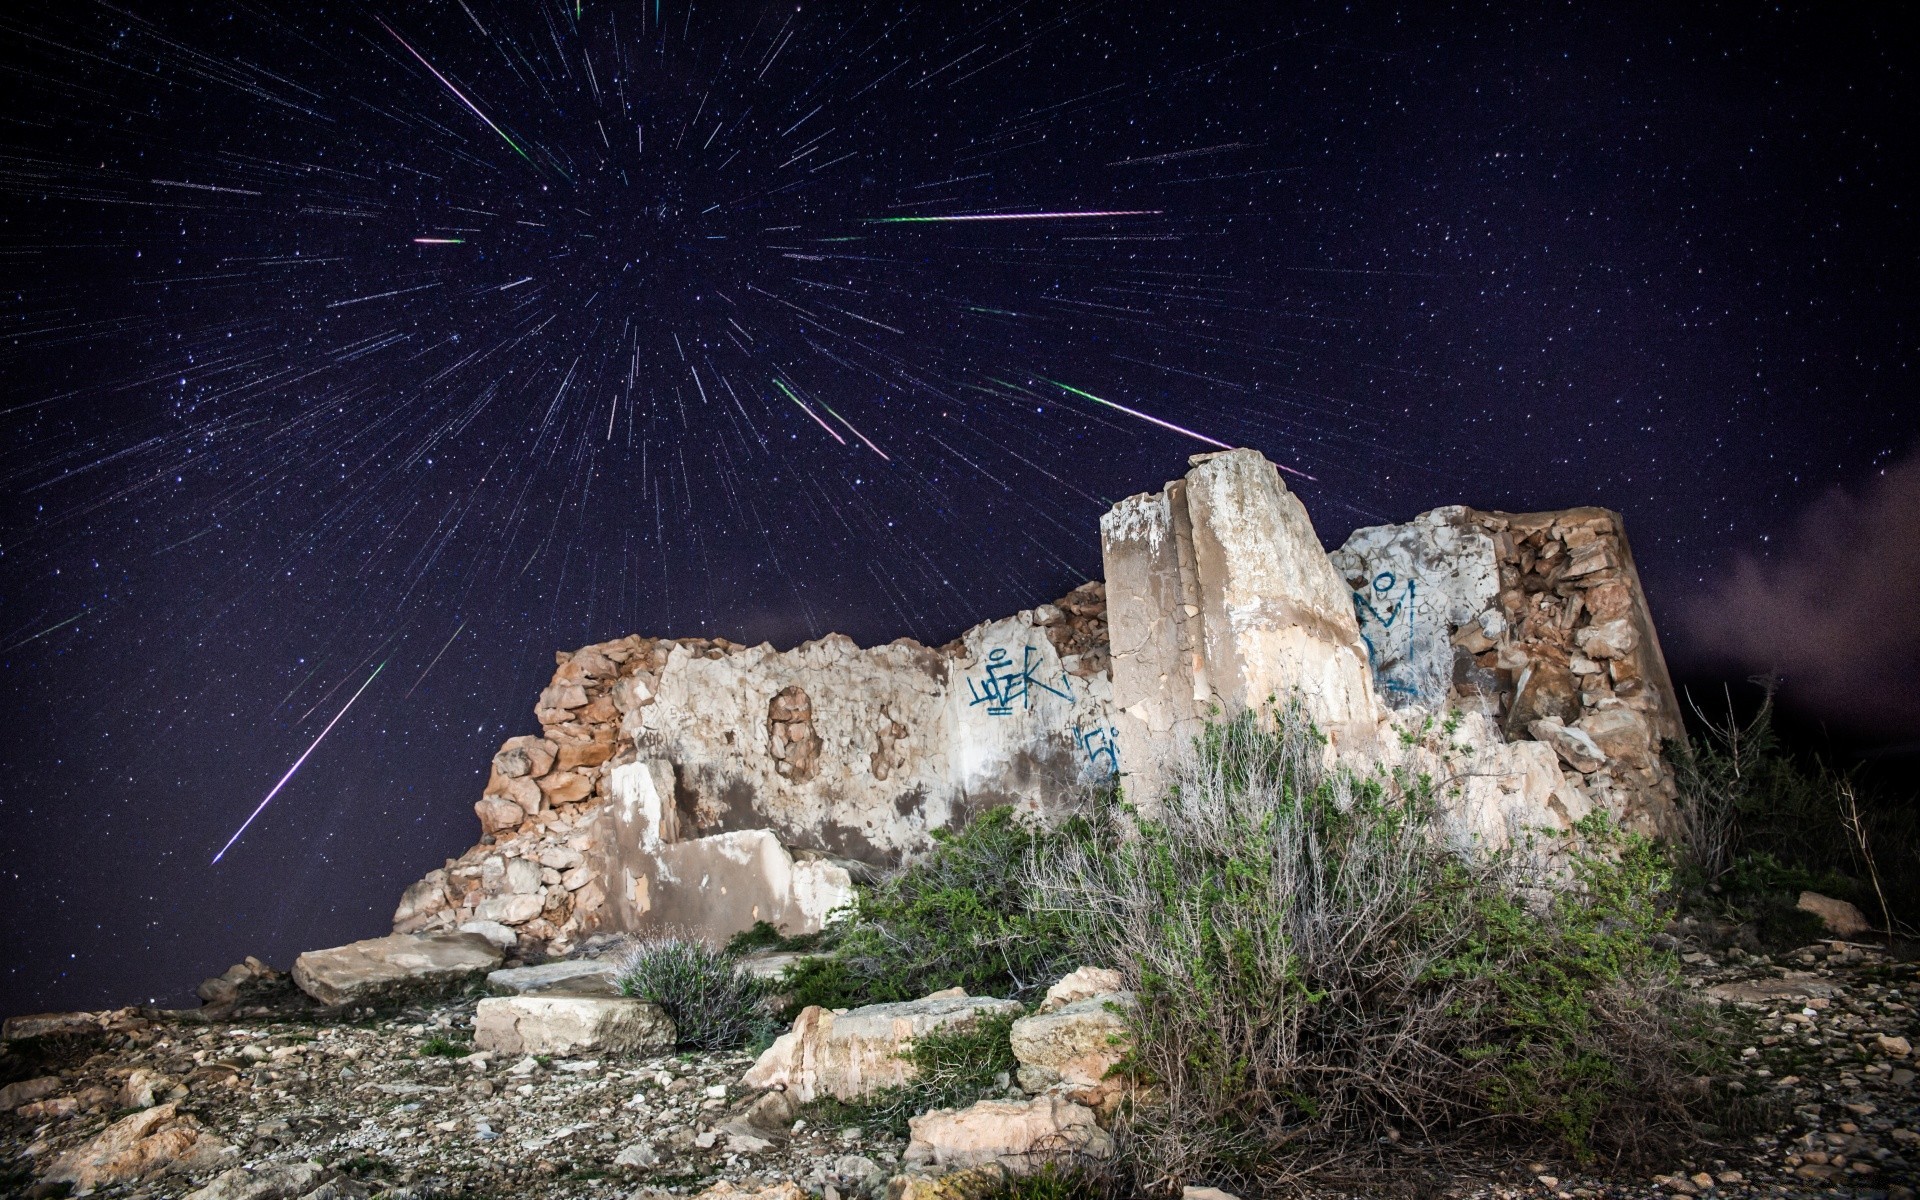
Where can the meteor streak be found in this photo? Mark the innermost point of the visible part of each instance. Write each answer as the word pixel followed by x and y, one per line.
pixel 1134 412
pixel 456 91
pixel 441 241
pixel 295 767
pixel 1032 216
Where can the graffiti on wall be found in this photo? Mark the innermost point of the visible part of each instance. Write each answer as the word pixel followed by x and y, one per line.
pixel 1003 685
pixel 1101 745
pixel 1386 609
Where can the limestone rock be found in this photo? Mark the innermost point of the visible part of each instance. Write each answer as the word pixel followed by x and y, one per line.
pixel 1575 747
pixel 1075 1047
pixel 274 1181
pixel 1621 734
pixel 38 1025
pixel 579 976
pixel 500 935
pixel 1206 1193
pixel 546 1023
pixel 514 909
pixel 786 1189
pixel 1837 915
pixel 1018 1134
pixel 852 1054
pixel 974 1183
pixel 135 1147
pixel 1080 984
pixel 13 1095
pixel 249 979
pixel 379 968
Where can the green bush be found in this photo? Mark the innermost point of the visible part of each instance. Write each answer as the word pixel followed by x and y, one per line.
pixel 955 917
pixel 715 1005
pixel 1319 970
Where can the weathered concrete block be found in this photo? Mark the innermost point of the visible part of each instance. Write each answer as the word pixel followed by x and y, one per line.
pixel 547 1023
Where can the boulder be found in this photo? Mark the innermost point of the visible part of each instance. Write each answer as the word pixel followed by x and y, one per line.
pixel 145 1088
pixel 135 1147
pixel 1621 734
pixel 848 1055
pixel 1017 1134
pixel 277 1181
pixel 249 979
pixel 515 909
pixel 26 1091
pixel 577 977
pixel 1074 1047
pixel 974 1183
pixel 544 1023
pixel 1080 984
pixel 1837 915
pixel 380 968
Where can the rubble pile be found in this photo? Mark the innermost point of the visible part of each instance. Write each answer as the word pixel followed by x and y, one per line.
pixel 295 1101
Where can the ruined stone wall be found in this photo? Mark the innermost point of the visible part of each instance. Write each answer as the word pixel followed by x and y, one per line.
pixel 703 784
pixel 1535 620
pixel 1510 658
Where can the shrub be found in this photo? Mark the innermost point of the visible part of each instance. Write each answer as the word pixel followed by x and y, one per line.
pixel 953 1068
pixel 955 917
pixel 1317 971
pixel 1762 823
pixel 715 1005
pixel 763 936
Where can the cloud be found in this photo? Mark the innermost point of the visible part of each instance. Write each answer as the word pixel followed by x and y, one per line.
pixel 1837 612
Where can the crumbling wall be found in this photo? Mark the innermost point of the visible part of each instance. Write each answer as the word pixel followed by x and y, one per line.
pixel 704 785
pixel 1538 622
pixel 1510 658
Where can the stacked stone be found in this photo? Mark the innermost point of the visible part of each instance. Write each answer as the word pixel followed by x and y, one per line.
pixel 529 884
pixel 1570 655
pixel 1076 624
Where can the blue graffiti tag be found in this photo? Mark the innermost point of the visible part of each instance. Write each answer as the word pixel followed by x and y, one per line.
pixel 1004 686
pixel 1101 743
pixel 1369 615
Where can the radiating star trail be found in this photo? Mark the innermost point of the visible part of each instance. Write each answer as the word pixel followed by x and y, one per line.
pixel 275 791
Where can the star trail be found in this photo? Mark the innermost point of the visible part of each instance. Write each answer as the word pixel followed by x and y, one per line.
pixel 447 334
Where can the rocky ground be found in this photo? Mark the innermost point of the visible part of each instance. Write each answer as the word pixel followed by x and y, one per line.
pixel 283 1100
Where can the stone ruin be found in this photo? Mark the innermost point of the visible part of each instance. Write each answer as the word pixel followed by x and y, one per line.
pixel 700 785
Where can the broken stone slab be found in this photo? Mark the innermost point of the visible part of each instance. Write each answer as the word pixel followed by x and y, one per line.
pixel 545 1023
pixel 851 1054
pixel 382 968
pixel 1074 1047
pixel 135 1147
pixel 1017 1134
pixel 576 976
pixel 1080 984
pixel 1837 915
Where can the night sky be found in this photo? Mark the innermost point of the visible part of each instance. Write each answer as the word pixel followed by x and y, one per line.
pixel 431 337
